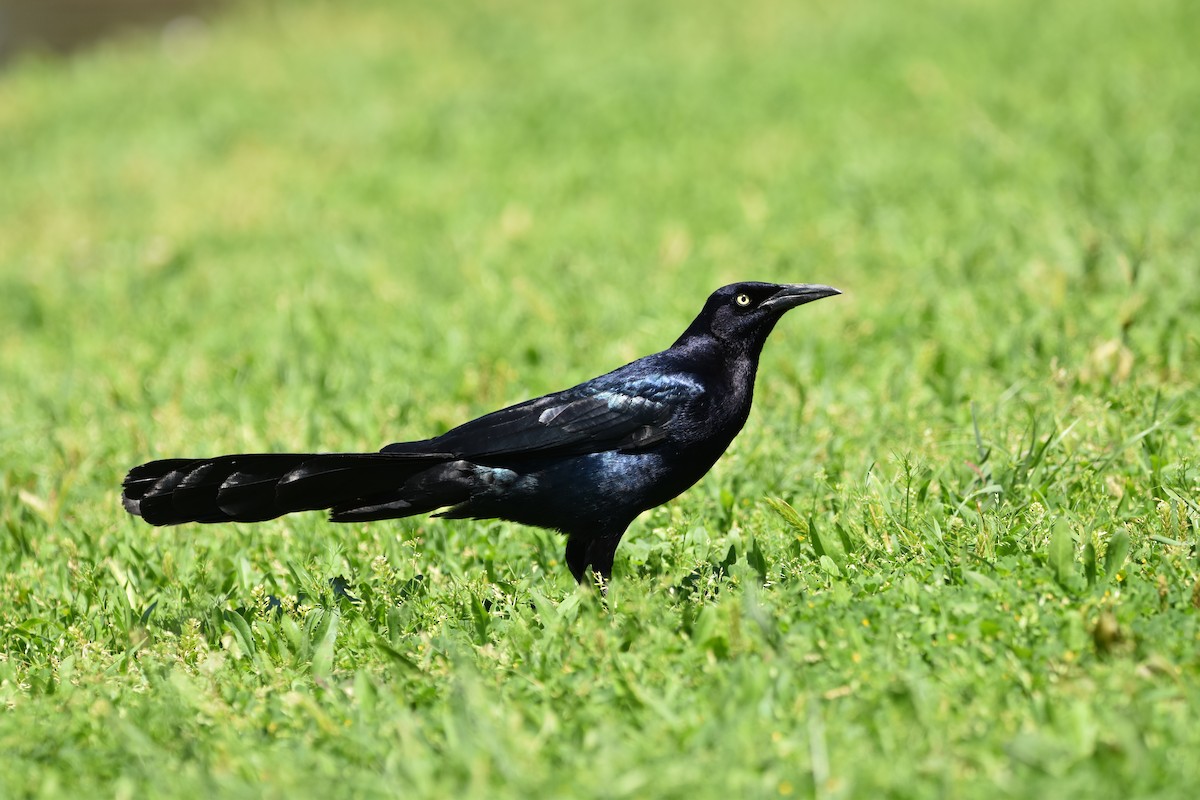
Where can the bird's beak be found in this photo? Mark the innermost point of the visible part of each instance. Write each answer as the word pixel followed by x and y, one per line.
pixel 797 294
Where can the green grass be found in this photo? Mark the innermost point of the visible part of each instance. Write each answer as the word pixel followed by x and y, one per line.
pixel 953 553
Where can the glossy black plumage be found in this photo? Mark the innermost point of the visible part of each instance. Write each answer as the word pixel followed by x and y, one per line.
pixel 585 461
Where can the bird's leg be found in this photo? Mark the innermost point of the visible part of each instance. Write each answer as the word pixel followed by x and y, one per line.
pixel 601 552
pixel 577 554
pixel 602 583
pixel 596 551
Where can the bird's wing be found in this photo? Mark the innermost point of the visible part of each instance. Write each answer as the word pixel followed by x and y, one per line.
pixel 608 413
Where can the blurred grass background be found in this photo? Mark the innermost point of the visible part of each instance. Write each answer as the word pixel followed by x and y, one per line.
pixel 329 226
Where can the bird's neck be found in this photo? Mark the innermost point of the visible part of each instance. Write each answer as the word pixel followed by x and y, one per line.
pixel 729 365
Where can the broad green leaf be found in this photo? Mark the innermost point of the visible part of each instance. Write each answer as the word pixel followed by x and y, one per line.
pixel 981 580
pixel 1062 554
pixel 322 660
pixel 1115 554
pixel 241 632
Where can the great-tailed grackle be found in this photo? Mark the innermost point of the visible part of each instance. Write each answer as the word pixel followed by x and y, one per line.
pixel 584 461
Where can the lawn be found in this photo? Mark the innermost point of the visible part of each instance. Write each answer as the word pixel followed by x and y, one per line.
pixel 953 554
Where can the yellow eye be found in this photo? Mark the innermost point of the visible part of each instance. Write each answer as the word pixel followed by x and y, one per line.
pixel 742 300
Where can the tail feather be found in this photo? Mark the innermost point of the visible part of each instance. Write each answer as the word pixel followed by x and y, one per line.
pixel 141 479
pixel 196 495
pixel 446 484
pixel 249 496
pixel 404 502
pixel 337 478
pixel 256 487
pixel 371 510
pixel 155 502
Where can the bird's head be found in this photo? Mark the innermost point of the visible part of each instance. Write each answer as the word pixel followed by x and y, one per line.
pixel 742 315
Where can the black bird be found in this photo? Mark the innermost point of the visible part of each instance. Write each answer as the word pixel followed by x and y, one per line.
pixel 584 461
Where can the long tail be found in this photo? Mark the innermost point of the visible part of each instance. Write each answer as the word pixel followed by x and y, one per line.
pixel 256 487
